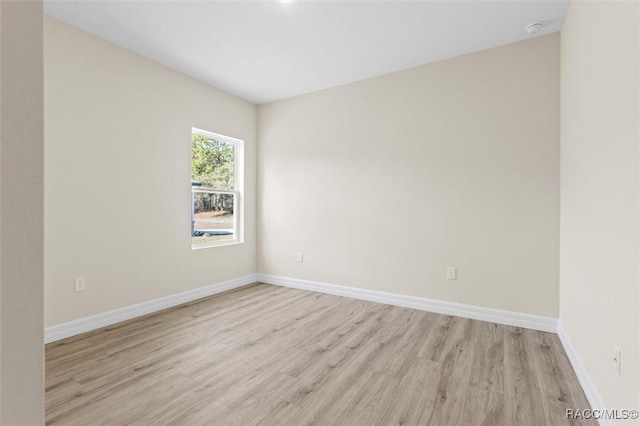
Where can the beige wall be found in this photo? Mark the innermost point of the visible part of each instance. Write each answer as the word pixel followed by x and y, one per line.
pixel 384 183
pixel 600 215
pixel 21 214
pixel 117 157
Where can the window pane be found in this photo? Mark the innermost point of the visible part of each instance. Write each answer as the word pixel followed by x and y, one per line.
pixel 212 162
pixel 213 217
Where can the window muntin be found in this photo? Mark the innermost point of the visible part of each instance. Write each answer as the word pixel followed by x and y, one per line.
pixel 216 205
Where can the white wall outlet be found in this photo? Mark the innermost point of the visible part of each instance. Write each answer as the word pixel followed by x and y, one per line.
pixel 79 284
pixel 617 358
pixel 299 258
pixel 452 273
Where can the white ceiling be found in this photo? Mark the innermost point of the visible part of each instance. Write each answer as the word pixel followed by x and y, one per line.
pixel 263 51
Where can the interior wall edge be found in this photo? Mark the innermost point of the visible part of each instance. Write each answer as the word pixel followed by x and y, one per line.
pixel 82 325
pixel 588 387
pixel 517 319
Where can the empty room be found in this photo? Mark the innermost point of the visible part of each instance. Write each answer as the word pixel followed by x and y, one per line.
pixel 319 212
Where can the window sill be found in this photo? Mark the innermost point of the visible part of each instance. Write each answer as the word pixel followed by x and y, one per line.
pixel 211 245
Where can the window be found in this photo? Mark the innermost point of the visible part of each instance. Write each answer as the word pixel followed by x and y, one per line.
pixel 216 189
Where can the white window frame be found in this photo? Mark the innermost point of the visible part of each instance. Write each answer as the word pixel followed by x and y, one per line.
pixel 237 191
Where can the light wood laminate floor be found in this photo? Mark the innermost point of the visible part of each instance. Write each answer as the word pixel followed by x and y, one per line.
pixel 276 356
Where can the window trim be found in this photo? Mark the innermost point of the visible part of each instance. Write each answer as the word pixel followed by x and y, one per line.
pixel 237 191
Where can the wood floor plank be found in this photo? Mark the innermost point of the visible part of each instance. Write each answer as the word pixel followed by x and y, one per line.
pixel 453 383
pixel 323 392
pixel 414 400
pixel 447 332
pixel 277 356
pixel 132 335
pixel 407 340
pixel 351 330
pixel 368 405
pixel 332 368
pixel 258 396
pixel 578 397
pixel 127 398
pixel 488 371
pixel 280 413
pixel 554 381
pixel 521 386
pixel 482 407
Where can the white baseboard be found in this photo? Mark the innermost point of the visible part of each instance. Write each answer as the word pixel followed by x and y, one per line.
pixel 448 308
pixel 93 322
pixel 592 394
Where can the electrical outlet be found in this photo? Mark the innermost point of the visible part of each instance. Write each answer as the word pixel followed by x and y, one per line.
pixel 617 358
pixel 79 284
pixel 299 258
pixel 452 273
